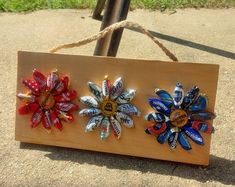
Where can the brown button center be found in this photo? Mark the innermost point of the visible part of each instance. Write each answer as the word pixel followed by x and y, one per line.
pixel 108 107
pixel 179 118
pixel 46 100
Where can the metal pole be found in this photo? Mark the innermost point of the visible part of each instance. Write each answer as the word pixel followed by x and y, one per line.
pixel 116 10
pixel 98 9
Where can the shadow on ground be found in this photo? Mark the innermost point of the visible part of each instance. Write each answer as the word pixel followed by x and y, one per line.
pixel 191 44
pixel 202 47
pixel 220 169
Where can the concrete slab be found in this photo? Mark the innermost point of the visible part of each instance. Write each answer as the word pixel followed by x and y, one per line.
pixel 205 36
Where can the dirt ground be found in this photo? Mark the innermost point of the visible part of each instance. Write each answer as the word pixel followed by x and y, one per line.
pixel 205 36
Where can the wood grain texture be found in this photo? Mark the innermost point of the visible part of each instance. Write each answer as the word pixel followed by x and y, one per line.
pixel 142 75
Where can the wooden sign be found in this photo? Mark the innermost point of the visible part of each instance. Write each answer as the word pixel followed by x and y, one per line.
pixel 143 76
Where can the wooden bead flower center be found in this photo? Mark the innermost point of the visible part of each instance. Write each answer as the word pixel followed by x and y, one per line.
pixel 108 107
pixel 46 100
pixel 179 118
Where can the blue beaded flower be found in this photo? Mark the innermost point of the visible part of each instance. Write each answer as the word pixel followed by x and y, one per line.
pixel 179 116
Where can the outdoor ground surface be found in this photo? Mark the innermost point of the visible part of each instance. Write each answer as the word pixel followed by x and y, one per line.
pixel 31 5
pixel 205 36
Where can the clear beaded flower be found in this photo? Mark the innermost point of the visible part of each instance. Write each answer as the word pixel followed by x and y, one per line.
pixel 49 99
pixel 109 107
pixel 179 117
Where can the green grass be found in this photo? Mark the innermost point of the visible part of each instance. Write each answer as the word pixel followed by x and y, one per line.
pixel 173 4
pixel 31 5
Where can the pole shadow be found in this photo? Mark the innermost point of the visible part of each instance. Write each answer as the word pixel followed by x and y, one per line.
pixel 220 169
pixel 191 44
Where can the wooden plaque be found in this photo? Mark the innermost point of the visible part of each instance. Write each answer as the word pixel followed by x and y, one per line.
pixel 142 75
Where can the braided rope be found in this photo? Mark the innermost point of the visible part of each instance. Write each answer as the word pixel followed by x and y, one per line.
pixel 110 29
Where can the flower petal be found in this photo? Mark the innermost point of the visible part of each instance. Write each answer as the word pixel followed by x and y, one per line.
pixel 62 85
pixel 202 126
pixel 95 90
pixel 162 138
pixel 158 105
pixel 55 120
pixel 66 107
pixel 165 97
pixel 125 119
pixel 89 101
pixel 28 108
pixel 106 86
pixel 178 95
pixel 116 127
pixel 46 120
pixel 32 85
pixel 94 122
pixel 66 96
pixel 27 98
pixel 36 117
pixel 40 79
pixel 156 129
pixel 184 141
pixel 156 117
pixel 52 80
pixel 126 96
pixel 117 88
pixel 202 116
pixel 105 128
pixel 200 104
pixel 128 109
pixel 190 97
pixel 194 135
pixel 173 140
pixel 90 112
pixel 64 116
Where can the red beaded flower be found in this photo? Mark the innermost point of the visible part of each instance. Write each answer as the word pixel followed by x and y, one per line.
pixel 49 99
